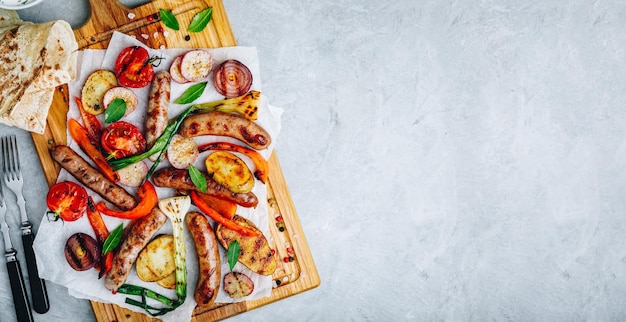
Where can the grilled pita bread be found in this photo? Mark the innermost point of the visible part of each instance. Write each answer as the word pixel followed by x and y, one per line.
pixel 34 60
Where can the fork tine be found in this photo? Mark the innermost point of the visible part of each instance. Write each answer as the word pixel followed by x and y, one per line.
pixel 15 156
pixel 4 155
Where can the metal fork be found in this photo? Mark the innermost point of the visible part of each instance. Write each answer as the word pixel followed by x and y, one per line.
pixel 13 180
pixel 18 289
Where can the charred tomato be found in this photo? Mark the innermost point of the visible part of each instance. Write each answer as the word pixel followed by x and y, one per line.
pixel 134 68
pixel 121 139
pixel 68 200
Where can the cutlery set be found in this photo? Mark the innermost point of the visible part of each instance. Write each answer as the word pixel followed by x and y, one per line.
pixel 12 178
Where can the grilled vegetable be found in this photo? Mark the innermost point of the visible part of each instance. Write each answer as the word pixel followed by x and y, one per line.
pixel 246 105
pixel 149 199
pixel 226 222
pixel 262 168
pixel 224 207
pixel 175 71
pixel 255 252
pixel 67 200
pixel 238 285
pixel 133 175
pixel 176 208
pixel 232 78
pixel 82 251
pixel 156 260
pixel 92 125
pixel 121 139
pixel 102 233
pixel 126 95
pixel 196 65
pixel 230 171
pixel 93 91
pixel 169 281
pixel 133 67
pixel 182 152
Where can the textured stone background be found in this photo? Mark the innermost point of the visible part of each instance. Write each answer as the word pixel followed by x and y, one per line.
pixel 449 160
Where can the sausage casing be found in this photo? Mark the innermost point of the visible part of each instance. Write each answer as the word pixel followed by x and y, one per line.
pixel 180 179
pixel 209 272
pixel 92 178
pixel 226 124
pixel 140 234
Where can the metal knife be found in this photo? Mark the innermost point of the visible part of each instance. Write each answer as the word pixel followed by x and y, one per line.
pixel 20 298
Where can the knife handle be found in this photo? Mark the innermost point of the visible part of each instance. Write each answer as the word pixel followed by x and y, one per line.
pixel 38 290
pixel 20 299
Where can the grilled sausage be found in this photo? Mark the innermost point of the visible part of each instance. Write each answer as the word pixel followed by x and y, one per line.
pixel 91 177
pixel 159 99
pixel 180 179
pixel 140 234
pixel 226 124
pixel 209 273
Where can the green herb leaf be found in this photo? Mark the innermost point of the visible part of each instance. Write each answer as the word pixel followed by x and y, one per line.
pixel 169 19
pixel 200 20
pixel 115 111
pixel 198 179
pixel 113 240
pixel 191 94
pixel 233 253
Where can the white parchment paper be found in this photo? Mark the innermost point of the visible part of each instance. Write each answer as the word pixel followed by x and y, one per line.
pixel 51 237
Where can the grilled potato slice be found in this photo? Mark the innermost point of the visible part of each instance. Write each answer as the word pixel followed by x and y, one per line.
pixel 169 281
pixel 156 260
pixel 255 252
pixel 230 171
pixel 92 94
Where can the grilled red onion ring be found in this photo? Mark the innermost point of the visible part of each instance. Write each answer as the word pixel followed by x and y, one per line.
pixel 82 252
pixel 232 78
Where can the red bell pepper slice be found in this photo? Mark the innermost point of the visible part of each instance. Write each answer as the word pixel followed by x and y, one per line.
pixel 259 161
pixel 88 145
pixel 149 199
pixel 205 208
pixel 92 125
pixel 102 232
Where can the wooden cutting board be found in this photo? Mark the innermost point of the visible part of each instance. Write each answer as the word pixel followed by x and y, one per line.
pixel 296 272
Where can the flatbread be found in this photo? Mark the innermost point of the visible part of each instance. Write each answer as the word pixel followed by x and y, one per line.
pixel 34 60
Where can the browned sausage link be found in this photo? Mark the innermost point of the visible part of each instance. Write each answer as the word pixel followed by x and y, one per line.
pixel 180 179
pixel 91 177
pixel 159 99
pixel 226 124
pixel 209 273
pixel 140 234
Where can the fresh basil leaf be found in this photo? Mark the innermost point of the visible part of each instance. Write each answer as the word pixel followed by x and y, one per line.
pixel 233 253
pixel 113 240
pixel 191 94
pixel 198 179
pixel 200 20
pixel 169 19
pixel 115 110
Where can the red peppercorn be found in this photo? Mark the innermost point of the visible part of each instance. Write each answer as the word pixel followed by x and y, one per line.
pixel 160 29
pixel 286 259
pixel 150 18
